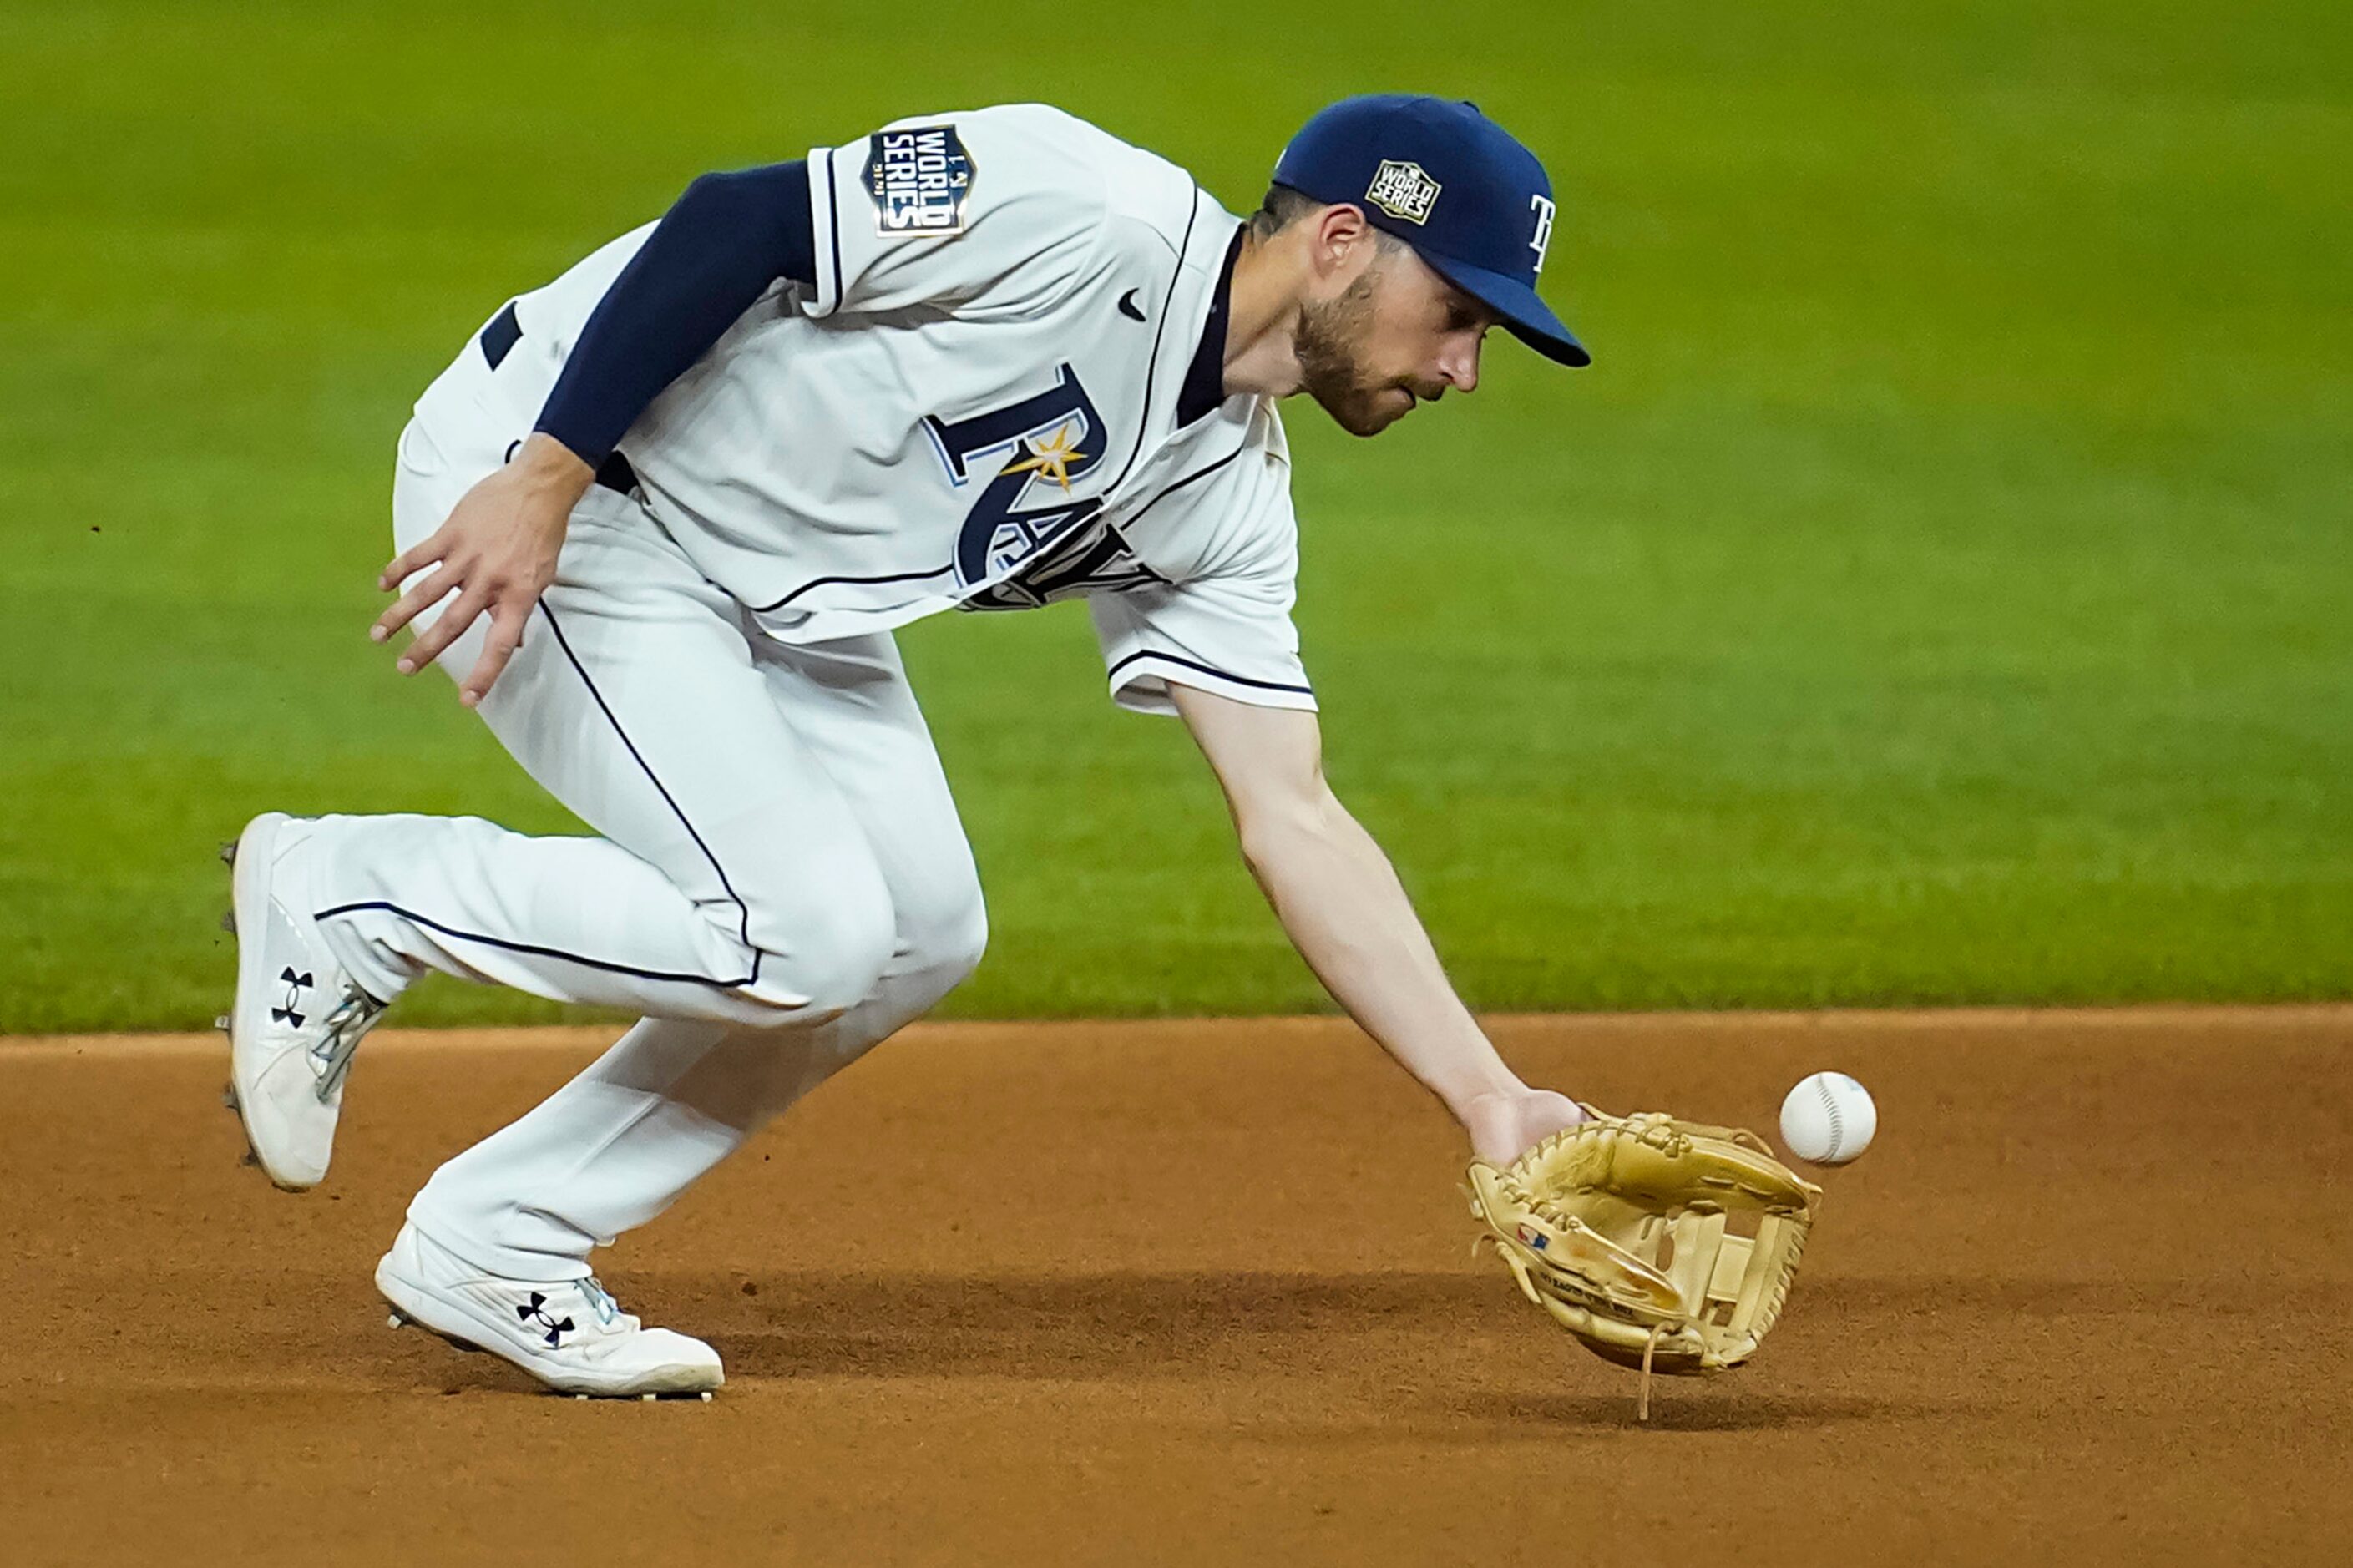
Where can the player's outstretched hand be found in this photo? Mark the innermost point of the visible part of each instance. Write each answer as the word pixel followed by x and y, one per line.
pixel 1503 1126
pixel 494 556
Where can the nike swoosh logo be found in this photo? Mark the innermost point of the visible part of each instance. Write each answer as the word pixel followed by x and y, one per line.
pixel 1129 308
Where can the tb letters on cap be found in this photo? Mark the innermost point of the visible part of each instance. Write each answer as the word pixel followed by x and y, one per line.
pixel 1542 241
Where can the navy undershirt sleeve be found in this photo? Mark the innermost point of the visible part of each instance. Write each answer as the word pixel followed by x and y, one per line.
pixel 713 253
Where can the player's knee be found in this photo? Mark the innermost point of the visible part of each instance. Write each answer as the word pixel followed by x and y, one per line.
pixel 945 937
pixel 825 949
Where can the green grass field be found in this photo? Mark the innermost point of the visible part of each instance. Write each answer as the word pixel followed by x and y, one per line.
pixel 1938 591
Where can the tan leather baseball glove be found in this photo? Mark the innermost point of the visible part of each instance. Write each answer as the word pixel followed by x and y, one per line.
pixel 1659 1243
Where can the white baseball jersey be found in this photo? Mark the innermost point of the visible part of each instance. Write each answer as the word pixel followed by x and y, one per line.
pixel 975 406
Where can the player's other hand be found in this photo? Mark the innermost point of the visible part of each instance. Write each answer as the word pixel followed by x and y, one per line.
pixel 1506 1124
pixel 494 556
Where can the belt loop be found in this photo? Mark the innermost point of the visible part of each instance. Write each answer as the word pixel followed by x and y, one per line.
pixel 615 474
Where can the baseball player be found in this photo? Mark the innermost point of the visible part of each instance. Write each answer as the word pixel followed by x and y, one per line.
pixel 660 519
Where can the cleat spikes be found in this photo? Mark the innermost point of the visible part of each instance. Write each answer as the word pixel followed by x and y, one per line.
pixel 229 1095
pixel 706 1397
pixel 396 1321
pixel 228 921
pixel 220 1022
pixel 229 852
pixel 648 1398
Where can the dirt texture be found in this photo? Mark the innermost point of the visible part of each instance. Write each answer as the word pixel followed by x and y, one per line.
pixel 1203 1293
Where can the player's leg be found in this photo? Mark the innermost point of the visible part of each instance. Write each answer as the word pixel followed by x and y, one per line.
pixel 669 684
pixel 852 702
pixel 732 884
pixel 671 1098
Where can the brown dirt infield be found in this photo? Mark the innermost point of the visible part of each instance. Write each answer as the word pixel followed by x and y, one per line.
pixel 1202 1293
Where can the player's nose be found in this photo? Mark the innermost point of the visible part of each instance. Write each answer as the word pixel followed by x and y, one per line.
pixel 1458 365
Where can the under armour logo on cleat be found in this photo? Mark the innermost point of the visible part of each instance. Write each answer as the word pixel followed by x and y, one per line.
pixel 295 985
pixel 537 1313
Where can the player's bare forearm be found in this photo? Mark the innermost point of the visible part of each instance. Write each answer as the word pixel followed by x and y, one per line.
pixel 1340 902
pixel 494 556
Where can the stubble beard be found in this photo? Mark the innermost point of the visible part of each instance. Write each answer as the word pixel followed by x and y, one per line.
pixel 1331 370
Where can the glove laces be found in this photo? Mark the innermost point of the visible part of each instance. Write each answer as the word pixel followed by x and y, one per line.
pixel 1643 1394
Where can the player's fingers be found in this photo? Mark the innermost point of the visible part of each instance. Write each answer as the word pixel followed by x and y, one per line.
pixel 507 623
pixel 446 628
pixel 415 602
pixel 422 553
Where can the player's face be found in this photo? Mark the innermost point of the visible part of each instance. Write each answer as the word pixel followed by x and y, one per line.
pixel 1397 335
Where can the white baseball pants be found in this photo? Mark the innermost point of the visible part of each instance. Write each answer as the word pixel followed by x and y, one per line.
pixel 780 879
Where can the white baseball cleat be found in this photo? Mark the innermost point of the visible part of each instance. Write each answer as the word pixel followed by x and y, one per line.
pixel 299 1014
pixel 567 1333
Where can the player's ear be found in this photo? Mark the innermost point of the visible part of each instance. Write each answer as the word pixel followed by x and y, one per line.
pixel 1343 238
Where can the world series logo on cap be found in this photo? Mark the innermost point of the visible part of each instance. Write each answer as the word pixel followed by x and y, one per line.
pixel 1403 191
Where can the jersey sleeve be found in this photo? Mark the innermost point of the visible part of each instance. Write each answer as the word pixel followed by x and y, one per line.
pixel 1225 629
pixel 995 211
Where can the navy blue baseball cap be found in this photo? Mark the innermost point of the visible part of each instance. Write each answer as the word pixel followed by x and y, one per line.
pixel 1453 183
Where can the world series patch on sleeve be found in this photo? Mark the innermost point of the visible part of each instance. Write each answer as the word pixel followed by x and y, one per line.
pixel 1659 1243
pixel 919 178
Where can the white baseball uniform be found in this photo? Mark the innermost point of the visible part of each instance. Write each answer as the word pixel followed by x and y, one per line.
pixel 975 406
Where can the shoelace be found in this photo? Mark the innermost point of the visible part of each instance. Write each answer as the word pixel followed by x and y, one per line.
pixel 607 1310
pixel 345 1028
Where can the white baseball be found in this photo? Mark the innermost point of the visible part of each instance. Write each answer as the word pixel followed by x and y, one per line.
pixel 1828 1118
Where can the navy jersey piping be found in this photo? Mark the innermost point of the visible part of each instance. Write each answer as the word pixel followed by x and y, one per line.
pixel 833 229
pixel 863 582
pixel 449 930
pixel 1159 332
pixel 1194 664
